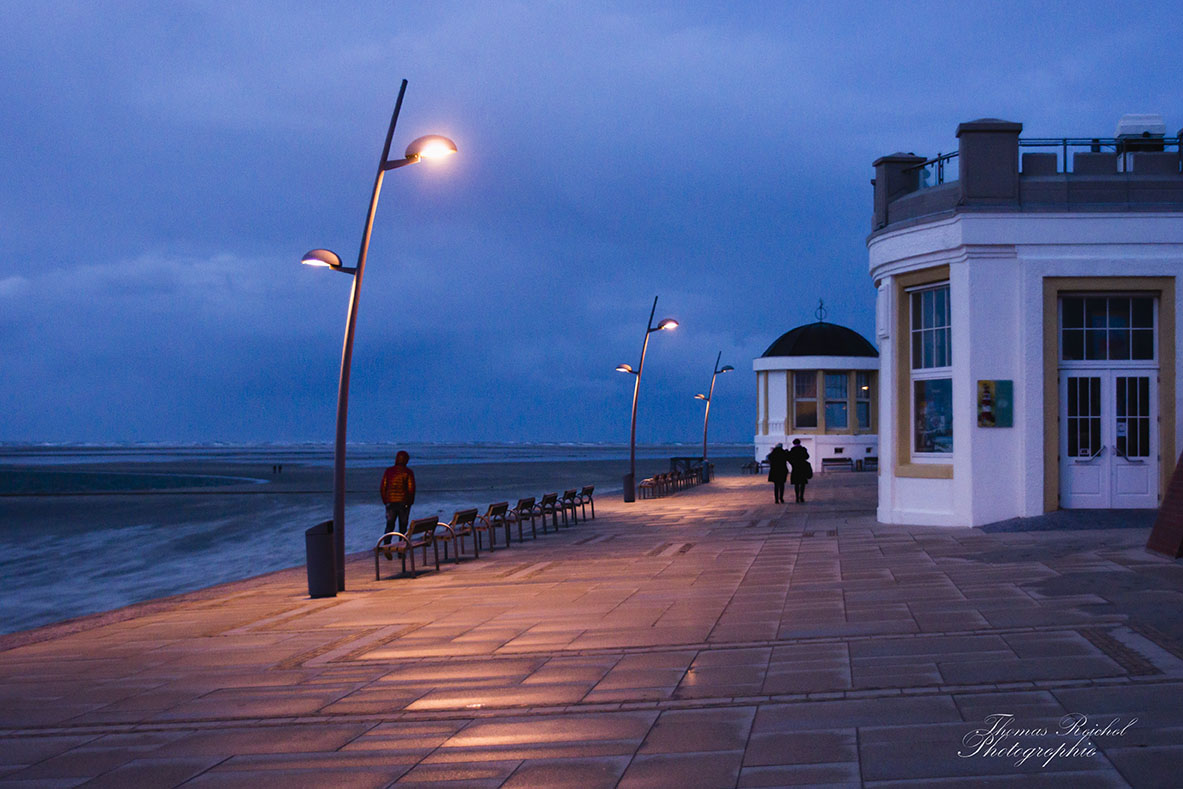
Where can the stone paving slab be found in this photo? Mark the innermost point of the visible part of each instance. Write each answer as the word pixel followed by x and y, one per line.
pixel 711 638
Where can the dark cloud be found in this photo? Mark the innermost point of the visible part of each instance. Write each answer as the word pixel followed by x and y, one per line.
pixel 166 165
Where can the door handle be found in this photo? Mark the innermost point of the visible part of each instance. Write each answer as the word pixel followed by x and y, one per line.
pixel 1126 458
pixel 1091 458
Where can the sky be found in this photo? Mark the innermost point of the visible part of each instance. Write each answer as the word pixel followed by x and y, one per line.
pixel 166 165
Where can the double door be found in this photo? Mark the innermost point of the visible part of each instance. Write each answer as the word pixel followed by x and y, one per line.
pixel 1109 438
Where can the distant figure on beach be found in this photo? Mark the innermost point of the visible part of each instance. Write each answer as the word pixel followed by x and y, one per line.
pixel 778 471
pixel 398 492
pixel 802 470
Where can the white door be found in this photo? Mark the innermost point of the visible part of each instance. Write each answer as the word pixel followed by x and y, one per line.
pixel 1109 439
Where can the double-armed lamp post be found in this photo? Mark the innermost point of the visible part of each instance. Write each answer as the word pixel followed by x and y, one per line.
pixel 432 146
pixel 665 324
pixel 707 397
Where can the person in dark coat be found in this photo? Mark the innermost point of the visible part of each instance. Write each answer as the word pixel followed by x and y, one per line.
pixel 798 458
pixel 778 471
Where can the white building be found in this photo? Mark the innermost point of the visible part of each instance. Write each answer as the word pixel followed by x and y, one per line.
pixel 1027 318
pixel 817 383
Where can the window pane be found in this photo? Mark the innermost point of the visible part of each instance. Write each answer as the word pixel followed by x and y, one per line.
pixel 835 415
pixel 1073 313
pixel 941 356
pixel 806 413
pixel 1119 344
pixel 917 358
pixel 836 386
pixel 863 414
pixel 1119 312
pixel 929 317
pixel 933 412
pixel 1094 313
pixel 805 384
pixel 928 349
pixel 1142 312
pixel 942 299
pixel 1142 345
pixel 1094 344
pixel 1073 344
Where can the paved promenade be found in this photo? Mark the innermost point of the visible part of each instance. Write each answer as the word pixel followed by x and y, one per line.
pixel 710 639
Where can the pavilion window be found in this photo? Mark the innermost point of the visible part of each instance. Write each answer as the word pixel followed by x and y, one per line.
pixel 862 400
pixel 805 399
pixel 932 371
pixel 836 401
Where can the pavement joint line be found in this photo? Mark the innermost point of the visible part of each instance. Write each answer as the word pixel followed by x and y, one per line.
pixel 459 713
pixel 716 646
pixel 296 661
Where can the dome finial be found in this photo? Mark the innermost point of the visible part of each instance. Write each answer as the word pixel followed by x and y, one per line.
pixel 820 312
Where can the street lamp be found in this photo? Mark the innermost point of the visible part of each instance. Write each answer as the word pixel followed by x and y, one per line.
pixel 666 324
pixel 706 417
pixel 432 146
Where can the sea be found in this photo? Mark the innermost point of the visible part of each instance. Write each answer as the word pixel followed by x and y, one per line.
pixel 86 528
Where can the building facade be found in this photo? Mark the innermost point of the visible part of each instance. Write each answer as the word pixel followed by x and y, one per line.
pixel 1027 318
pixel 818 383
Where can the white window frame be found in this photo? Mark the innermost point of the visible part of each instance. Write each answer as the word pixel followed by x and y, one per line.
pixel 932 372
pixel 816 400
pixel 861 397
pixel 845 400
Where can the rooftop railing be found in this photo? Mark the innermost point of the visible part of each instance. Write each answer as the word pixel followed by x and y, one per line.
pixel 943 168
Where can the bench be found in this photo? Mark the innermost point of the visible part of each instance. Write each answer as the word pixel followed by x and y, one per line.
pixel 497 515
pixel 524 509
pixel 570 503
pixel 419 534
pixel 463 523
pixel 549 505
pixel 585 498
pixel 870 463
pixel 839 464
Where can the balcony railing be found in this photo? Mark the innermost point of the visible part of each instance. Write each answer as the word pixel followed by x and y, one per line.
pixel 943 168
pixel 1062 145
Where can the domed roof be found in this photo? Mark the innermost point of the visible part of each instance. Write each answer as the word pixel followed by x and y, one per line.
pixel 821 339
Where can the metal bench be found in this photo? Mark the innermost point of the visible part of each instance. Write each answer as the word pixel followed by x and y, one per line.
pixel 570 503
pixel 838 464
pixel 419 534
pixel 463 524
pixel 497 515
pixel 585 498
pixel 524 509
pixel 549 505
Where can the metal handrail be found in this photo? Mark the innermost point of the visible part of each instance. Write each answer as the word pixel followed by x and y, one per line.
pixel 1094 144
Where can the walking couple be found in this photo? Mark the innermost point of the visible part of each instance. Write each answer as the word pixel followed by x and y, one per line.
pixel 779 460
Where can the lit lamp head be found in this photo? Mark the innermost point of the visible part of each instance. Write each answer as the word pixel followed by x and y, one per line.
pixel 325 258
pixel 667 324
pixel 700 397
pixel 726 368
pixel 431 146
pixel 625 368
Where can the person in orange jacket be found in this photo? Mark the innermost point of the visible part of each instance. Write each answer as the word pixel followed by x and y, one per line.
pixel 398 493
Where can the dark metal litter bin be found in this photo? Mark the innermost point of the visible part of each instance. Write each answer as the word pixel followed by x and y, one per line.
pixel 322 560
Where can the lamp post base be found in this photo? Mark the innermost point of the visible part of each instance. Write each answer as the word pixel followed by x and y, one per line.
pixel 630 489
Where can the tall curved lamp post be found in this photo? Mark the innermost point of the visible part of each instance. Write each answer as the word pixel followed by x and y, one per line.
pixel 665 324
pixel 706 418
pixel 432 146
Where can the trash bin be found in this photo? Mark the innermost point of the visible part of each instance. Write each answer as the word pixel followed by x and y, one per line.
pixel 322 560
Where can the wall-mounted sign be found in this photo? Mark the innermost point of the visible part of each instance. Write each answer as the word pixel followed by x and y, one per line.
pixel 996 403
